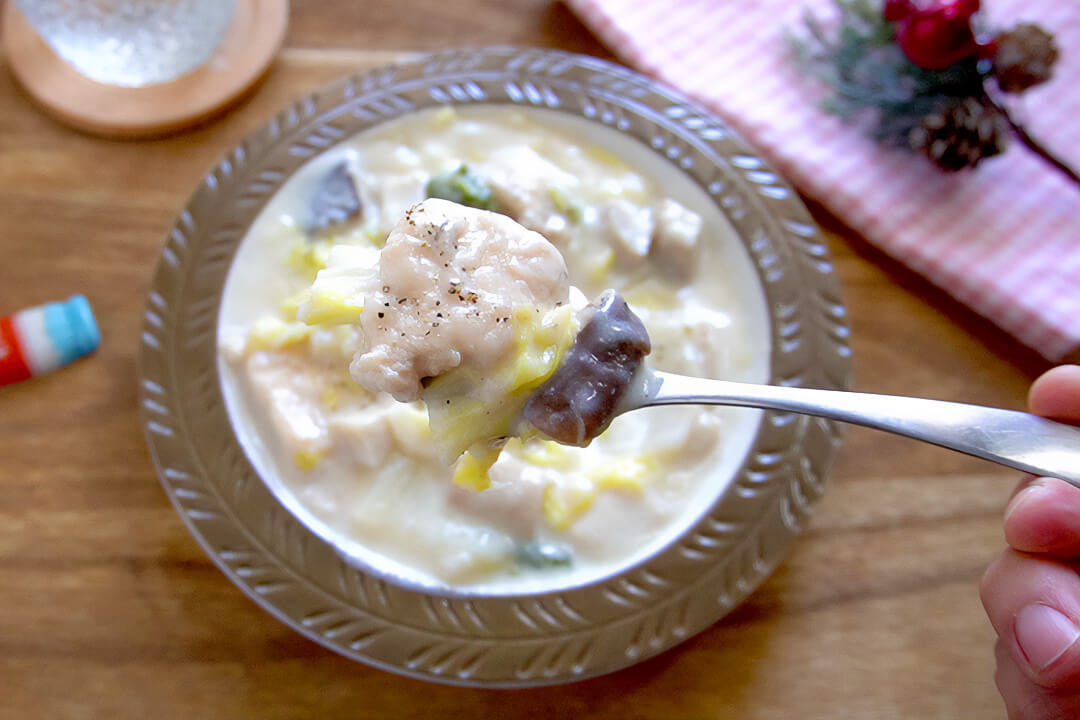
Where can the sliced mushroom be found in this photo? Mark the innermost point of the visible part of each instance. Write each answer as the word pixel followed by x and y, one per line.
pixel 578 402
pixel 335 201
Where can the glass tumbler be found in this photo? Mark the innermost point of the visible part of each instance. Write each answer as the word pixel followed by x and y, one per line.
pixel 131 43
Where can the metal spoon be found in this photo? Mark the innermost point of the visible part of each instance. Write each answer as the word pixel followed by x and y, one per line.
pixel 1015 439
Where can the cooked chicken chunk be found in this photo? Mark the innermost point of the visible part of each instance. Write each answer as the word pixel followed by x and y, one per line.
pixel 675 243
pixel 630 228
pixel 450 278
pixel 526 185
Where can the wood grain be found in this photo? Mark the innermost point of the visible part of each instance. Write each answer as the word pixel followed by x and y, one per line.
pixel 109 609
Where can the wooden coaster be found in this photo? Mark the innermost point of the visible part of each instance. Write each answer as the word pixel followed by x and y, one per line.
pixel 245 53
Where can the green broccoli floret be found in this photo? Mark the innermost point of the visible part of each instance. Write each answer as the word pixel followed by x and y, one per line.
pixel 543 555
pixel 462 185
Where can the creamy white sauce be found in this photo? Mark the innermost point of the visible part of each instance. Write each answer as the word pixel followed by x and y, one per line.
pixel 360 469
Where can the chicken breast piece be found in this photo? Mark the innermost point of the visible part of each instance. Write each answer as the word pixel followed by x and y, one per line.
pixel 450 277
pixel 675 243
pixel 523 183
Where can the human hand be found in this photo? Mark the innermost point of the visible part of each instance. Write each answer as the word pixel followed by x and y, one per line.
pixel 1032 591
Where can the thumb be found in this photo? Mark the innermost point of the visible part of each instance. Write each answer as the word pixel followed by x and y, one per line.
pixel 1034 605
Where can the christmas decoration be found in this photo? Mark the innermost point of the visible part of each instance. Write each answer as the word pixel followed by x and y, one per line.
pixel 961 135
pixel 1025 56
pixel 926 75
pixel 938 34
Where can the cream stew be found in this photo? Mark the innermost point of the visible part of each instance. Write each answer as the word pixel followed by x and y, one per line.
pixel 361 469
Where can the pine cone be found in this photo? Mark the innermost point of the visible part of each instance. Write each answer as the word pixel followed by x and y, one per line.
pixel 1025 57
pixel 961 135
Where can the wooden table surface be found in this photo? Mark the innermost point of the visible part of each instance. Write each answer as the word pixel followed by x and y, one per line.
pixel 108 608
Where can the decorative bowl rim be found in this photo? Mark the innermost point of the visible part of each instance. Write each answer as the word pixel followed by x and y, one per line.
pixel 490 640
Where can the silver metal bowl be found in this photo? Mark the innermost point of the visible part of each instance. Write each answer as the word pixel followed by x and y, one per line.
pixel 484 640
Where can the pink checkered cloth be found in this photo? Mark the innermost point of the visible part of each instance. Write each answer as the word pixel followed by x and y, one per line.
pixel 1004 239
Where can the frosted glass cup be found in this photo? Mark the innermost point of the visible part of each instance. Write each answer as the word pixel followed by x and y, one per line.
pixel 131 43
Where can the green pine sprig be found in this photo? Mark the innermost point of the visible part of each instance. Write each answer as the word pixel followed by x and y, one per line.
pixel 872 81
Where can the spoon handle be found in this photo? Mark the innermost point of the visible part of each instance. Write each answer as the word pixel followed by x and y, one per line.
pixel 1015 439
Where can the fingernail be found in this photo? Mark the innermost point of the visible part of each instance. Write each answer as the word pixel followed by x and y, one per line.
pixel 1029 493
pixel 1044 634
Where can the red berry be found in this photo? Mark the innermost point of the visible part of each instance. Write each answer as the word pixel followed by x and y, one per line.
pixel 897 10
pixel 987 49
pixel 969 7
pixel 936 35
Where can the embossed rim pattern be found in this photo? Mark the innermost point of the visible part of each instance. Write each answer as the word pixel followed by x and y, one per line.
pixel 510 641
